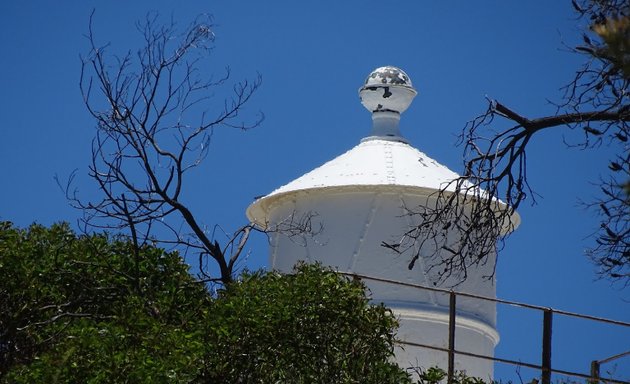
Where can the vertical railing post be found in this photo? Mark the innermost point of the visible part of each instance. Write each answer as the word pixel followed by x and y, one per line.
pixel 451 338
pixel 546 346
pixel 594 372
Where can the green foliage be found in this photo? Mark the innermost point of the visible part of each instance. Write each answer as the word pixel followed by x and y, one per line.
pixel 435 375
pixel 85 309
pixel 310 327
pixel 615 33
pixel 82 309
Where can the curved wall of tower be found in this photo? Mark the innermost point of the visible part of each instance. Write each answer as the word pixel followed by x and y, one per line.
pixel 350 226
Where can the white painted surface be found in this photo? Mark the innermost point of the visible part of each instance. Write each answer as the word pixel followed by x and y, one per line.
pixel 387 89
pixel 360 200
pixel 376 162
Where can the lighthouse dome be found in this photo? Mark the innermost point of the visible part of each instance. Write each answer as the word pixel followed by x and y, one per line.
pixel 383 161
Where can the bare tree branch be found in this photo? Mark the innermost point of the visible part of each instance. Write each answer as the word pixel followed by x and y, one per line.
pixel 155 118
pixel 494 183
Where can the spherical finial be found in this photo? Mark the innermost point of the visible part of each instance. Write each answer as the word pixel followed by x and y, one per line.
pixel 387 89
pixel 388 75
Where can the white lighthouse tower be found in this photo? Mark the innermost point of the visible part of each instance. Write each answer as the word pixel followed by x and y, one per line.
pixel 360 200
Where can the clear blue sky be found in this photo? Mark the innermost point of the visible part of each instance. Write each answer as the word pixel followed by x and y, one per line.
pixel 313 57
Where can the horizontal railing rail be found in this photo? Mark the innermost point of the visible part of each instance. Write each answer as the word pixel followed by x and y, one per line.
pixel 545 367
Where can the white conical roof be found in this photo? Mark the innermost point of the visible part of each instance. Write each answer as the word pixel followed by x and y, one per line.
pixel 375 163
pixel 383 161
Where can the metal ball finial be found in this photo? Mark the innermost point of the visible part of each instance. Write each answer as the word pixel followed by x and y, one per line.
pixel 387 89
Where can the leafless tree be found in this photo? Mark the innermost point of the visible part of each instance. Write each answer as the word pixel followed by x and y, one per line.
pixel 155 113
pixel 595 109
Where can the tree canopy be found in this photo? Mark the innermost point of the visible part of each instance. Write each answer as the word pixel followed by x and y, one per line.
pixel 83 309
pixel 90 309
pixel 309 327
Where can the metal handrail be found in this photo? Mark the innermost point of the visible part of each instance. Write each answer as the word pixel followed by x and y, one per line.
pixel 494 299
pixel 596 365
pixel 548 312
pixel 512 362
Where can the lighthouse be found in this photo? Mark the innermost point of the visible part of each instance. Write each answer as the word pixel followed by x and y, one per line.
pixel 360 200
